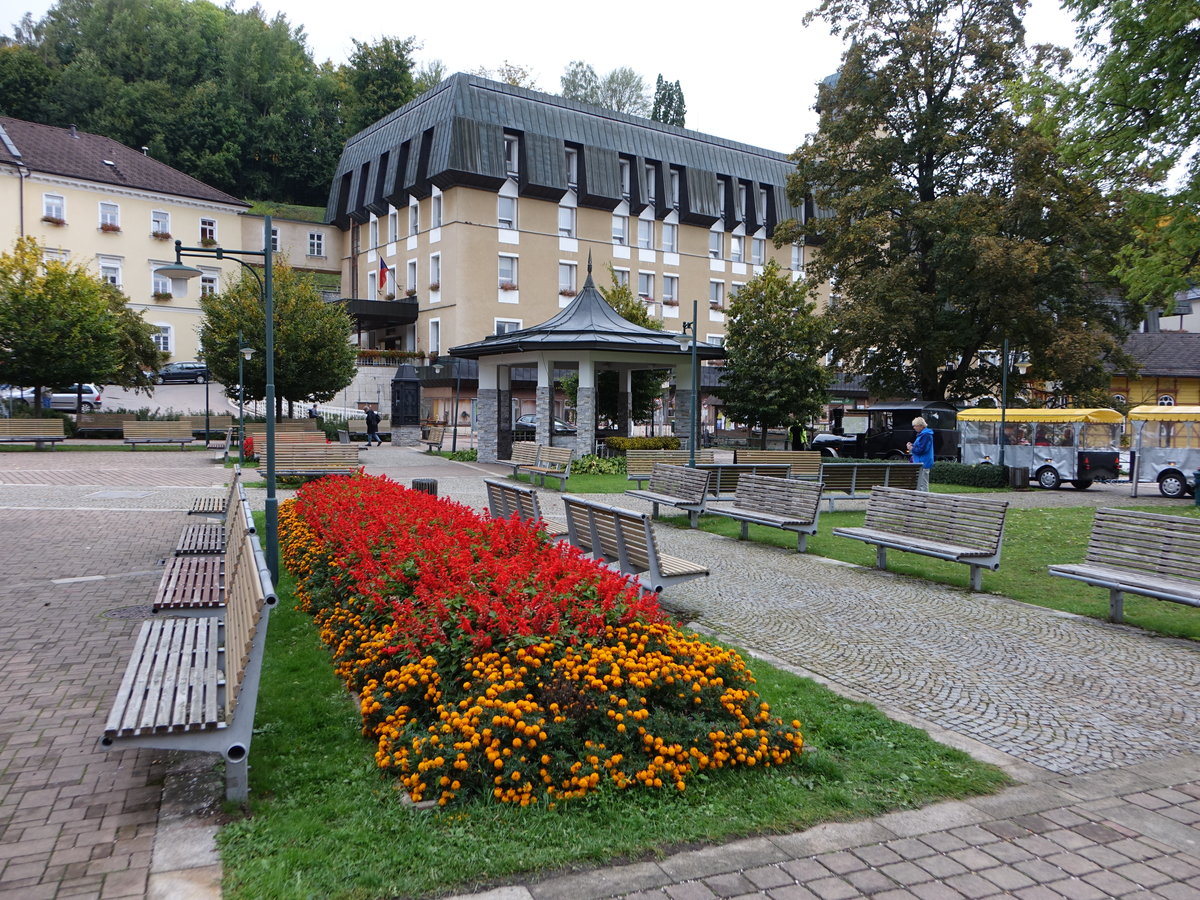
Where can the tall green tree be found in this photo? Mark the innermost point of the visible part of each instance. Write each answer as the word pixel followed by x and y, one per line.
pixel 774 374
pixel 621 90
pixel 381 80
pixel 26 82
pixel 57 325
pixel 669 107
pixel 946 223
pixel 1135 121
pixel 313 355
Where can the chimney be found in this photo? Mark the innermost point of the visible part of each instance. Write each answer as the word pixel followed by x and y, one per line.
pixel 74 134
pixel 145 151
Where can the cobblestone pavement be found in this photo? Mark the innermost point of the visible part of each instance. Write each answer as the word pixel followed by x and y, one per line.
pixel 1097 722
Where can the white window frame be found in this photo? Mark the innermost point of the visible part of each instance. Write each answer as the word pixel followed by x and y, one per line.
pixel 517 325
pixel 737 248
pixel 716 243
pixel 1166 400
pixel 54 206
pixel 435 335
pixel 716 291
pixel 568 274
pixel 208 229
pixel 670 237
pixel 160 284
pixel 316 244
pixel 110 214
pixel 715 340
pixel 646 285
pixel 572 160
pixel 160 222
pixel 621 276
pixel 645 238
pixel 512 151
pixel 675 189
pixel 670 288
pixel 410 276
pixel 435 211
pixel 435 271
pixel 506 212
pixel 372 285
pixel 373 234
pixel 651 182
pixel 508 270
pixel 393 226
pixel 797 257
pixel 620 230
pixel 758 251
pixel 567 229
pixel 625 176
pixel 209 284
pixel 110 269
pixel 163 337
pixel 414 219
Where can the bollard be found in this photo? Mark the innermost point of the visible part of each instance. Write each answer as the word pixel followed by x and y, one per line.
pixel 425 485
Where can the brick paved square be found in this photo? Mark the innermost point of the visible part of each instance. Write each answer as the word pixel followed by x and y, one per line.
pixel 768 877
pixel 1007 878
pixel 842 862
pixel 877 855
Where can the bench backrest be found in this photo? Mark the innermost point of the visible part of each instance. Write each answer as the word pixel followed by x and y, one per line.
pixel 788 497
pixel 973 522
pixel 31 428
pixel 724 481
pixel 317 457
pixel 680 481
pixel 621 536
pixel 254 429
pixel 524 453
pixel 437 433
pixel 803 462
pixel 555 457
pixel 641 462
pixel 1146 542
pixel 215 423
pixel 177 430
pixel 245 599
pixel 95 421
pixel 864 476
pixel 506 499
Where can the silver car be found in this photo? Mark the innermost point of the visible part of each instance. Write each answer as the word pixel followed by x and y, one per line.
pixel 60 397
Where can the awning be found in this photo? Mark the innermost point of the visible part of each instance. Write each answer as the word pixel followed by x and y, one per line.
pixel 1023 414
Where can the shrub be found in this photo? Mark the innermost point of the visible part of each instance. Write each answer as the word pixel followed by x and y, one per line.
pixel 981 475
pixel 491 661
pixel 621 444
pixel 471 455
pixel 598 465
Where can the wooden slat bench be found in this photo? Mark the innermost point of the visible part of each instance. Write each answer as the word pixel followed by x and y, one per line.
pixel 95 421
pixel 178 432
pixel 1140 553
pixel 217 506
pixel 257 430
pixel 788 503
pixel 724 481
pixel 804 463
pixel 506 499
pixel 680 486
pixel 192 682
pixel 640 463
pixel 433 438
pixel 294 460
pixel 524 453
pixel 856 479
pixel 193 583
pixel 38 432
pixel 554 462
pixel 959 528
pixel 217 424
pixel 286 438
pixel 625 541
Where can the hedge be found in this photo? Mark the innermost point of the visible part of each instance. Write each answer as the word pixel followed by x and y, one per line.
pixel 974 476
pixel 621 444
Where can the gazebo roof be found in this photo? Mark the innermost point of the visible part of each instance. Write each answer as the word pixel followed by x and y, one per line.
pixel 587 323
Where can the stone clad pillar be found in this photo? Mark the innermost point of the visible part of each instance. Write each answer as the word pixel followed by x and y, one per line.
pixel 585 408
pixel 489 413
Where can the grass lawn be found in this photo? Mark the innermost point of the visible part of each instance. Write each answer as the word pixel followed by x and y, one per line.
pixel 327 823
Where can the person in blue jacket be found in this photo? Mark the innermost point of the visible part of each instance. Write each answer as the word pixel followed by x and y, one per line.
pixel 922 451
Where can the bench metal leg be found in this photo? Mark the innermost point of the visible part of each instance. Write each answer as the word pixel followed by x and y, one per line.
pixel 237 779
pixel 694 518
pixel 745 531
pixel 880 557
pixel 653 510
pixel 1116 605
pixel 976 578
pixel 801 543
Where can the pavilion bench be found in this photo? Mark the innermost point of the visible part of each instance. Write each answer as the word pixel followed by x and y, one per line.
pixel 959 528
pixel 507 499
pixel 680 486
pixel 787 503
pixel 178 432
pixel 724 482
pixel 433 438
pixel 216 507
pixel 640 463
pixel 1140 553
pixel 523 453
pixel 803 463
pixel 624 540
pixel 38 432
pixel 303 460
pixel 554 462
pixel 192 681
pixel 857 479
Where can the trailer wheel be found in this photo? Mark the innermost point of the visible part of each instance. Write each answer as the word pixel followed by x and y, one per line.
pixel 1048 478
pixel 1173 485
pixel 1082 484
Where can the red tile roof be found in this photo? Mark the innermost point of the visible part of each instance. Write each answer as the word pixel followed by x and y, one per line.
pixel 91 157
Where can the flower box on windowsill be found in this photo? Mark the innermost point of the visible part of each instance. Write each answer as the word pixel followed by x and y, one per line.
pixel 669 301
pixel 411 292
pixel 110 228
pixel 389 296
pixel 507 286
pixel 208 242
pixel 435 286
pixel 54 220
pixel 161 296
pixel 566 292
pixel 715 306
pixel 161 235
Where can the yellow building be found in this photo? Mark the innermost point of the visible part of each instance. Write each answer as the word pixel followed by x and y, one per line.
pixel 1169 373
pixel 118 211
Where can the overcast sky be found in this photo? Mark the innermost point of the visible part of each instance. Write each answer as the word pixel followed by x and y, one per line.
pixel 748 73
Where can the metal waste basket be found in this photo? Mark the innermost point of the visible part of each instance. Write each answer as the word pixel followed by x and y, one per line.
pixel 426 485
pixel 1018 477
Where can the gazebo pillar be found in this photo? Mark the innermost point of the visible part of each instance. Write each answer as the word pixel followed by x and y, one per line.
pixel 494 408
pixel 624 401
pixel 544 398
pixel 585 408
pixel 684 398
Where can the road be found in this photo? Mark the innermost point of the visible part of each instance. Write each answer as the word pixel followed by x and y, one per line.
pixel 182 399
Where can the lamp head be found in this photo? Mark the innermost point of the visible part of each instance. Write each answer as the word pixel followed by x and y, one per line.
pixel 178 270
pixel 247 352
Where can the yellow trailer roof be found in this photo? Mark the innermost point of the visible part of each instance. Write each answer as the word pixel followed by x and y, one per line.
pixel 982 414
pixel 1166 413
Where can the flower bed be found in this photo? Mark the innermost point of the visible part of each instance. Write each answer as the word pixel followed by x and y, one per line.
pixel 488 660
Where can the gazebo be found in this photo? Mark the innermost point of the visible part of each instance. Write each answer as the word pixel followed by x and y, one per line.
pixel 589 336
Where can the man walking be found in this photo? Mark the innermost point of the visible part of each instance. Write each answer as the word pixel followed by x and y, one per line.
pixel 373 427
pixel 922 451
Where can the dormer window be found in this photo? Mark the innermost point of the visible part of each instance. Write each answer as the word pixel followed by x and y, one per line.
pixel 572 168
pixel 625 178
pixel 651 186
pixel 510 156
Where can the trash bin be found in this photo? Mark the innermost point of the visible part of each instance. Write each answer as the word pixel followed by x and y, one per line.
pixel 1018 477
pixel 426 485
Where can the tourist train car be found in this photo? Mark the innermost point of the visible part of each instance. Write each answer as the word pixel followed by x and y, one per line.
pixel 1166 448
pixel 1056 445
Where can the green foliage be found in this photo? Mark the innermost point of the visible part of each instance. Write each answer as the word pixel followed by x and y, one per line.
pixel 622 89
pixel 621 444
pixel 598 465
pixel 774 376
pixel 313 355
pixel 952 223
pixel 380 78
pixel 669 106
pixel 57 323
pixel 25 82
pixel 470 456
pixel 971 476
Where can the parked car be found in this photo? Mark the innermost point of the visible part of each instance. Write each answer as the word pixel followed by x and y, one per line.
pixel 60 397
pixel 529 423
pixel 182 372
pixel 834 444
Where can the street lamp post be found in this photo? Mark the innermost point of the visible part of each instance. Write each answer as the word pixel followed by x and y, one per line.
pixel 207 405
pixel 693 325
pixel 244 353
pixel 1003 400
pixel 265 281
